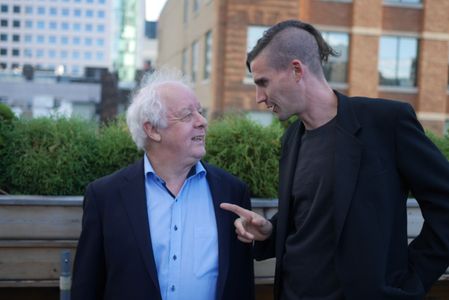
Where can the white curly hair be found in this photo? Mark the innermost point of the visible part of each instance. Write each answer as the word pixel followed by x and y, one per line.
pixel 146 104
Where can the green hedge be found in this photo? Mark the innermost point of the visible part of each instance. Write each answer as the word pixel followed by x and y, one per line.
pixel 60 156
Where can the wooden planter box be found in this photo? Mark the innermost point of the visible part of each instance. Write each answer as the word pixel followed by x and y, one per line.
pixel 34 230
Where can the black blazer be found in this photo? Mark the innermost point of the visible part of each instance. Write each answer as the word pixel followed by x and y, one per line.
pixel 381 155
pixel 114 258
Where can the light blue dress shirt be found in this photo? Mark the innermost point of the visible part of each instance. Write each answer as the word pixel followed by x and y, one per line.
pixel 183 235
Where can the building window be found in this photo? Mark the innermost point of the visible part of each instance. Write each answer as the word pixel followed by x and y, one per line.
pixel 28 10
pixel 53 11
pixel 41 10
pixel 16 38
pixel 3 51
pixel 77 12
pixel 16 9
pixel 207 55
pixel 63 54
pixel 51 53
pixel 28 38
pixel 28 52
pixel 336 67
pixel 65 26
pixel 87 41
pixel 88 27
pixel 76 40
pixel 4 23
pixel 405 2
pixel 15 52
pixel 89 13
pixel 75 54
pixel 28 24
pixel 194 61
pixel 16 23
pixel 4 8
pixel 53 25
pixel 87 55
pixel 40 39
pixel 196 6
pixel 100 14
pixel 65 12
pixel 398 61
pixel 3 37
pixel 253 34
pixel 100 28
pixel 3 66
pixel 100 56
pixel 40 25
pixel 184 61
pixel 64 40
pixel 39 53
pixel 52 39
pixel 186 11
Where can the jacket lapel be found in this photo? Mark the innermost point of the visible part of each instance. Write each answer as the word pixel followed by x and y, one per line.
pixel 348 152
pixel 223 228
pixel 134 201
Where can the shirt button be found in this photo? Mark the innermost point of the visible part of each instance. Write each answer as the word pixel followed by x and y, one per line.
pixel 175 228
pixel 172 288
pixel 174 257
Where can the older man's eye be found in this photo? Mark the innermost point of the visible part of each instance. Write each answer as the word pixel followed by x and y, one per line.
pixel 187 118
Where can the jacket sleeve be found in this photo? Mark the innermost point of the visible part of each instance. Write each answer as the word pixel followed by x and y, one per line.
pixel 89 268
pixel 426 172
pixel 266 249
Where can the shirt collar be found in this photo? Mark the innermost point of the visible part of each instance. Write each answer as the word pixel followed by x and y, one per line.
pixel 197 169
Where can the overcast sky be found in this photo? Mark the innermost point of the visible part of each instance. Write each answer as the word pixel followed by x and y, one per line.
pixel 153 9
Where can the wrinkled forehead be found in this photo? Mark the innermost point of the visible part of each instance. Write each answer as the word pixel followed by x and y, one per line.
pixel 177 95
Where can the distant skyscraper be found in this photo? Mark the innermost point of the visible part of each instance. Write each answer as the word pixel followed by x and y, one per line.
pixel 64 35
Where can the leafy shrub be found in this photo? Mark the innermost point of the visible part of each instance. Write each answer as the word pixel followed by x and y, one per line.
pixel 247 150
pixel 116 148
pixel 441 142
pixel 50 156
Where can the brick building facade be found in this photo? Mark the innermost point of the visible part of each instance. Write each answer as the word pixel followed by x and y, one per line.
pixel 394 49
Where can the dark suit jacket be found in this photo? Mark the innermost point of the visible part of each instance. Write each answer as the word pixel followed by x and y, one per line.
pixel 381 155
pixel 114 258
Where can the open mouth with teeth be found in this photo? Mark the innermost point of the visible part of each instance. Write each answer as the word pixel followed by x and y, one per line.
pixel 198 138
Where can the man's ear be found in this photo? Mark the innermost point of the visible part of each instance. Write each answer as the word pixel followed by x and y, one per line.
pixel 152 132
pixel 297 69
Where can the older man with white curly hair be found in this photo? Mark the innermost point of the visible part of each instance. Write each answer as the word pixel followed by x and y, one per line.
pixel 154 230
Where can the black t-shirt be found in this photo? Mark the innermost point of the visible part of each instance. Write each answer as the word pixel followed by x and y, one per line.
pixel 308 261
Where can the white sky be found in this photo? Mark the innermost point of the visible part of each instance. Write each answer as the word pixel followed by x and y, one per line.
pixel 153 9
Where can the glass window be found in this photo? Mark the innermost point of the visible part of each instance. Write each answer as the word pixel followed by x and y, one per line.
pixel 76 40
pixel 16 23
pixel 87 41
pixel 100 14
pixel 3 51
pixel 404 1
pixel 89 1
pixel 28 9
pixel 186 10
pixel 100 56
pixel 336 67
pixel 15 52
pixel 53 25
pixel 16 38
pixel 4 23
pixel 27 52
pixel 89 13
pixel 398 61
pixel 51 53
pixel 64 40
pixel 3 37
pixel 102 1
pixel 3 65
pixel 76 26
pixel 100 42
pixel 184 61
pixel 75 54
pixel 52 39
pixel 63 54
pixel 65 12
pixel 28 38
pixel 253 34
pixel 40 25
pixel 28 24
pixel 53 11
pixel 16 9
pixel 40 39
pixel 39 53
pixel 100 28
pixel 207 55
pixel 41 10
pixel 77 12
pixel 4 8
pixel 196 6
pixel 88 27
pixel 194 65
pixel 87 55
pixel 65 26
